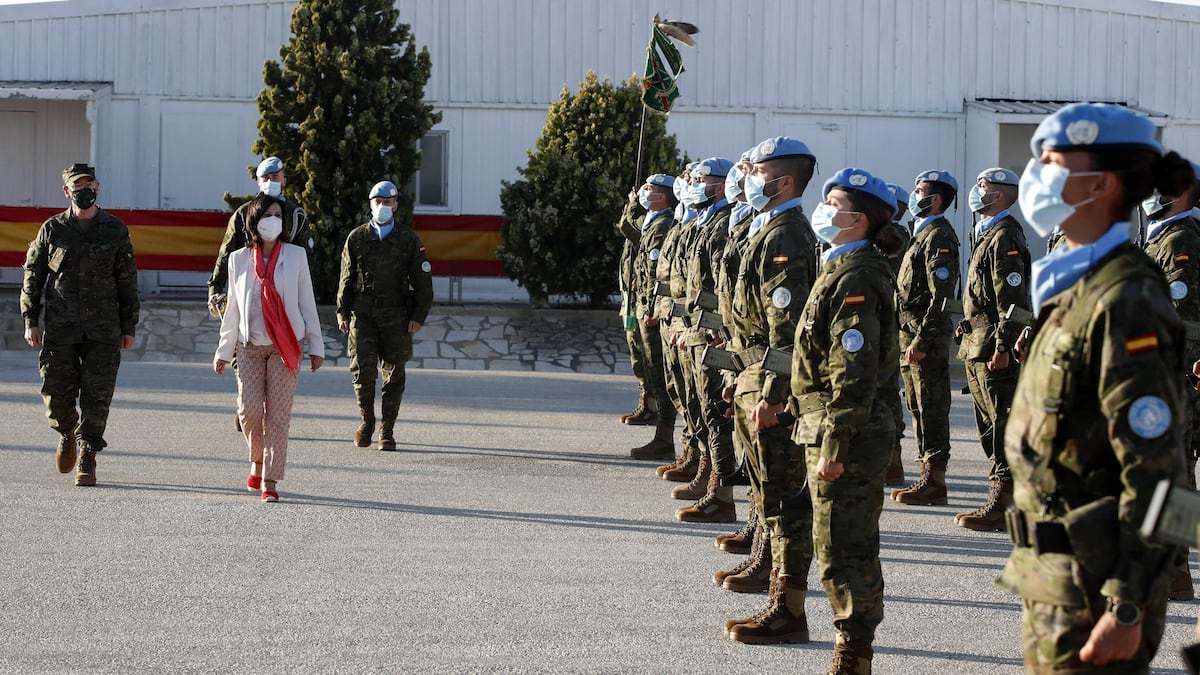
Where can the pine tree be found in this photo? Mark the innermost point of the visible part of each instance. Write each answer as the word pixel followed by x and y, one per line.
pixel 344 111
pixel 558 219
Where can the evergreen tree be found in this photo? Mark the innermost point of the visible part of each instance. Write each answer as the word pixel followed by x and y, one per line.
pixel 558 231
pixel 344 111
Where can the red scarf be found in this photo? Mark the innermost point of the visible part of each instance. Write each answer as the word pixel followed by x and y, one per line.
pixel 279 327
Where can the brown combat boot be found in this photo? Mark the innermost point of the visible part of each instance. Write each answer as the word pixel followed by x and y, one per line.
pixel 929 490
pixel 64 456
pixel 699 485
pixel 772 599
pixel 387 441
pixel 661 447
pixel 366 428
pixel 755 577
pixel 1181 585
pixel 785 622
pixel 644 415
pixel 990 516
pixel 86 474
pixel 895 471
pixel 684 468
pixel 851 659
pixel 758 539
pixel 740 542
pixel 714 507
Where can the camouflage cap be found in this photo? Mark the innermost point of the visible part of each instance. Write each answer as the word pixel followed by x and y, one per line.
pixel 78 170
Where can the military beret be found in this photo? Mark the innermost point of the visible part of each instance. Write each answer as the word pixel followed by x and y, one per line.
pixel 781 146
pixel 384 189
pixel 937 176
pixel 1088 125
pixel 860 180
pixel 77 170
pixel 899 194
pixel 661 179
pixel 999 176
pixel 713 166
pixel 269 165
pixel 690 166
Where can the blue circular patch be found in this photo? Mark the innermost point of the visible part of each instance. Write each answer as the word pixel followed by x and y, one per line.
pixel 853 340
pixel 1149 417
pixel 1179 290
pixel 942 273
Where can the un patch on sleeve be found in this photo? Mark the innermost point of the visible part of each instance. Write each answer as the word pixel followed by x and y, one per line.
pixel 781 298
pixel 1014 279
pixel 1149 417
pixel 1179 289
pixel 426 267
pixel 853 340
pixel 654 254
pixel 942 273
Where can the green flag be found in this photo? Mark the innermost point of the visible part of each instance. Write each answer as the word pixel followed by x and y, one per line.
pixel 663 65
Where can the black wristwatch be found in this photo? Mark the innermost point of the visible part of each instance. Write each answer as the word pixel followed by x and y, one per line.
pixel 1126 613
pixel 1001 348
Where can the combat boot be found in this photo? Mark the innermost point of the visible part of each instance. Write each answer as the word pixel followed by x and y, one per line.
pixel 741 541
pixel 772 599
pixel 785 622
pixel 366 428
pixel 86 474
pixel 699 485
pixel 661 447
pixel 756 576
pixel 758 539
pixel 64 456
pixel 714 507
pixel 895 470
pixel 990 516
pixel 643 415
pixel 851 659
pixel 386 440
pixel 929 490
pixel 684 468
pixel 1181 585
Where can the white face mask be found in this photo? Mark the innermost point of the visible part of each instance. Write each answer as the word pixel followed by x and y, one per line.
pixel 732 187
pixel 1040 195
pixel 756 191
pixel 269 227
pixel 822 222
pixel 270 187
pixel 382 213
pixel 1155 207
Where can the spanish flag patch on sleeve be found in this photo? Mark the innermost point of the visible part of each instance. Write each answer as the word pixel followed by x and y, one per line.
pixel 1141 343
pixel 780 259
pixel 1182 258
pixel 855 298
pixel 1014 253
pixel 943 250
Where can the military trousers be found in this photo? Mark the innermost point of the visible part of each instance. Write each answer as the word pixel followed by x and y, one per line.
pixel 993 395
pixel 778 479
pixel 379 342
pixel 673 377
pixel 693 411
pixel 82 374
pixel 709 385
pixel 927 394
pixel 652 350
pixel 637 356
pixel 846 528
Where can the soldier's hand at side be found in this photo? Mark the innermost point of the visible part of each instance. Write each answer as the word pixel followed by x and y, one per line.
pixel 1111 642
pixel 1023 338
pixel 913 355
pixel 219 366
pixel 829 470
pixel 999 361
pixel 414 327
pixel 126 342
pixel 344 326
pixel 764 414
pixel 727 394
pixel 1196 372
pixel 316 362
pixel 33 335
pixel 958 331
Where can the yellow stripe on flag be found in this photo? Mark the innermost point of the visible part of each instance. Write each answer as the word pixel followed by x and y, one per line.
pixel 1141 343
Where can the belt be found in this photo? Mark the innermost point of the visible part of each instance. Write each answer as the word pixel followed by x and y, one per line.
pixel 752 355
pixel 1043 536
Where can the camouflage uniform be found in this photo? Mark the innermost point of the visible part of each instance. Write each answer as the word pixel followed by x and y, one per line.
pixel 85 278
pixel 653 234
pixel 628 228
pixel 383 285
pixel 296 230
pixel 843 370
pixel 675 377
pixel 927 279
pixel 1088 439
pixel 1055 240
pixel 997 278
pixel 893 397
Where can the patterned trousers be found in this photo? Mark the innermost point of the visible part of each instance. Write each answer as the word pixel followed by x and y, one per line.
pixel 266 388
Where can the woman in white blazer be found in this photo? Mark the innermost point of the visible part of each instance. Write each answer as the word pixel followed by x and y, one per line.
pixel 271 313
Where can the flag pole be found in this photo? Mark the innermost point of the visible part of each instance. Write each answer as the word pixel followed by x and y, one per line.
pixel 637 176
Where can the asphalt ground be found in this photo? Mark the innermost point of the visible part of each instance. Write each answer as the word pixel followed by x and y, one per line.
pixel 510 533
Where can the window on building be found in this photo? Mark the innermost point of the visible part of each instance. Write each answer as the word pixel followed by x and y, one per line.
pixel 430 184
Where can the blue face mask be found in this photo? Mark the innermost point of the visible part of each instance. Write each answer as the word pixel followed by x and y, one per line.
pixel 917 206
pixel 697 193
pixel 822 222
pixel 382 213
pixel 755 191
pixel 1040 195
pixel 732 188
pixel 270 188
pixel 644 199
pixel 975 199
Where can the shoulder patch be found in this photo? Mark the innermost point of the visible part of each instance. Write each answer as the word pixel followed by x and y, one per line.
pixel 1013 253
pixel 943 250
pixel 654 253
pixel 1014 279
pixel 942 273
pixel 781 298
pixel 422 249
pixel 1141 343
pixel 853 340
pixel 426 267
pixel 855 298
pixel 1149 417
pixel 1182 258
pixel 779 259
pixel 1179 289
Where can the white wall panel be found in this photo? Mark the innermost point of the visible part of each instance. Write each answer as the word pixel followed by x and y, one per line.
pixel 493 145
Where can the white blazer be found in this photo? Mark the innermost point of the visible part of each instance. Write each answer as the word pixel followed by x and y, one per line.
pixel 294 283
